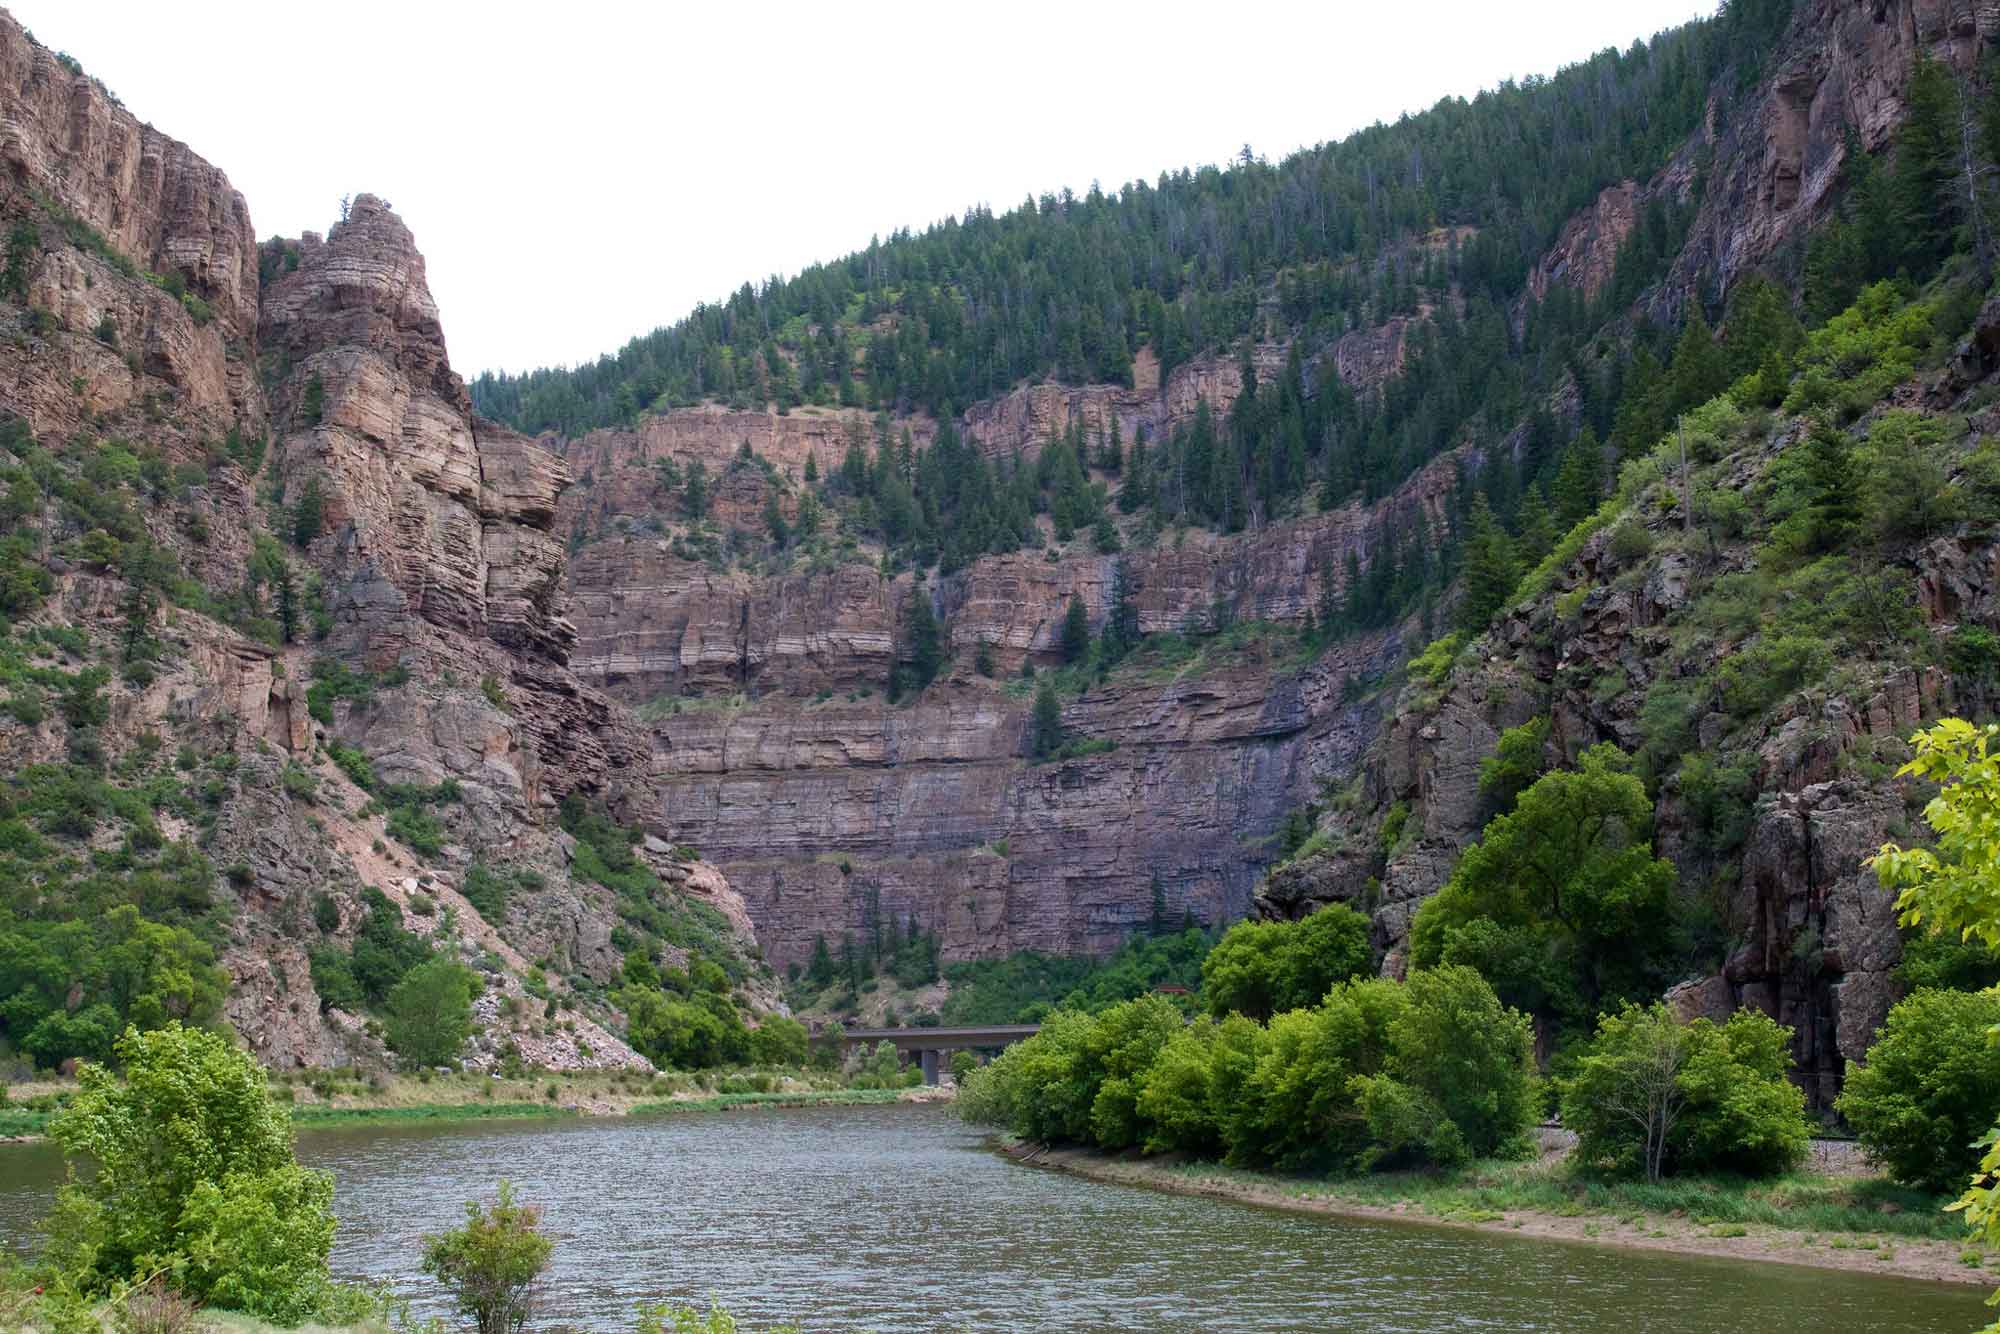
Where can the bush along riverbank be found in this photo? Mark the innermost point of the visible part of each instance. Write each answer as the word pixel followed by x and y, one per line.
pixel 1418 1099
pixel 1860 1224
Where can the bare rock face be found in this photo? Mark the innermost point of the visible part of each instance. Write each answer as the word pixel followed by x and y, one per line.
pixel 1776 163
pixel 112 346
pixel 1586 253
pixel 835 817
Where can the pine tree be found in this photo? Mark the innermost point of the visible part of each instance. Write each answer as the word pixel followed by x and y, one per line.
pixel 1828 483
pixel 1927 152
pixel 1075 631
pixel 1579 482
pixel 924 643
pixel 1046 734
pixel 309 513
pixel 288 606
pixel 1535 527
pixel 694 496
pixel 1329 593
pixel 774 521
pixel 820 970
pixel 1700 371
pixel 1490 570
pixel 812 467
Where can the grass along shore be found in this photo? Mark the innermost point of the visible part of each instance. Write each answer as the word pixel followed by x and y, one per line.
pixel 324 1098
pixel 1863 1224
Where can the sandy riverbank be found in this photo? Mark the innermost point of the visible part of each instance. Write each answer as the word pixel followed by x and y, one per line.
pixel 1856 1252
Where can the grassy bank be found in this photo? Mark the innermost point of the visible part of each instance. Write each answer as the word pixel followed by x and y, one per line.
pixel 723 1102
pixel 457 1111
pixel 324 1098
pixel 1858 1223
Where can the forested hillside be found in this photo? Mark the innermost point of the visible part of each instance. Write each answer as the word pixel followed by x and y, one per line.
pixel 1464 197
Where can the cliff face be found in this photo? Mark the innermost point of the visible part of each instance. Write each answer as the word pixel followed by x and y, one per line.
pixel 145 332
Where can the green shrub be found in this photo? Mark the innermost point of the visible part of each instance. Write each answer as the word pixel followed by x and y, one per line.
pixel 492 1263
pixel 1434 663
pixel 1929 1088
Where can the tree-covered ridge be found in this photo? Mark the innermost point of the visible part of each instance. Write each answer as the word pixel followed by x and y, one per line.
pixel 1070 286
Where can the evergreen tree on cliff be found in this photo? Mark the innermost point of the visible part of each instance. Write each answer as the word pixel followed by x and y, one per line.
pixel 1490 570
pixel 1075 631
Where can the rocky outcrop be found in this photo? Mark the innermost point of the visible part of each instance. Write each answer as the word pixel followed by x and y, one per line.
pixel 1776 162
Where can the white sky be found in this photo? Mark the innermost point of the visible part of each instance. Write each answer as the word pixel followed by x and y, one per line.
pixel 577 174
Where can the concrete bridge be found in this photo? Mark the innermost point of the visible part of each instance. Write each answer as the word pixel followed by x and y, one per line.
pixel 933 1046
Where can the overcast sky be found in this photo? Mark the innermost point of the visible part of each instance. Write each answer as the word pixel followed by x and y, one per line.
pixel 580 173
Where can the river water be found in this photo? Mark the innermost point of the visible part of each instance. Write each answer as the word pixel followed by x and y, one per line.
pixel 895 1218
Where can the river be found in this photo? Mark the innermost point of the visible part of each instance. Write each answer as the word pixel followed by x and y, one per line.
pixel 895 1218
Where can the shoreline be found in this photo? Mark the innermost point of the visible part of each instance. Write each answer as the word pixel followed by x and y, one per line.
pixel 321 1116
pixel 1889 1255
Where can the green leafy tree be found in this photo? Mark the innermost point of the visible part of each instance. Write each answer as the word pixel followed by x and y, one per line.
pixel 1652 1097
pixel 1519 759
pixel 778 1040
pixel 1261 969
pixel 1568 878
pixel 192 1169
pixel 1953 888
pixel 493 1262
pixel 430 1012
pixel 1929 1088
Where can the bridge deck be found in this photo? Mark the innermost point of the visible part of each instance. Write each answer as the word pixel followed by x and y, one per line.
pixel 938 1039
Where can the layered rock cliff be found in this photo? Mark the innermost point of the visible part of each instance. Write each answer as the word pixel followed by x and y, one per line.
pixel 293 499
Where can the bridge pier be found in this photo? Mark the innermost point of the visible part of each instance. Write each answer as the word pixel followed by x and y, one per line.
pixel 928 1057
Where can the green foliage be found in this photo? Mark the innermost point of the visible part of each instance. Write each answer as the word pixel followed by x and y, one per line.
pixel 692 1031
pixel 333 680
pixel 1261 969
pixel 1435 662
pixel 492 1263
pixel 69 985
pixel 1854 359
pixel 193 1171
pixel 1491 570
pixel 1520 758
pixel 429 1012
pixel 1650 1096
pixel 1377 1072
pixel 604 855
pixel 1929 1088
pixel 778 1040
pixel 923 646
pixel 1955 889
pixel 1561 904
pixel 1905 471
pixel 382 955
pixel 312 402
pixel 1023 987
